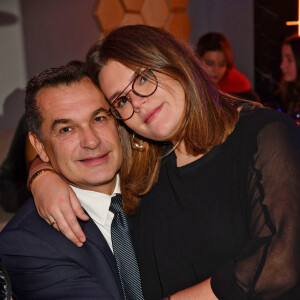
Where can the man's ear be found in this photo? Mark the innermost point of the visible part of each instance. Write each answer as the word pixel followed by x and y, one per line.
pixel 38 146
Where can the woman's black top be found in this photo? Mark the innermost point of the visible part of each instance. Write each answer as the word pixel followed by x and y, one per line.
pixel 233 215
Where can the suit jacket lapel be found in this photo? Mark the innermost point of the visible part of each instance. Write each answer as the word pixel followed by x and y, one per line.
pixel 94 235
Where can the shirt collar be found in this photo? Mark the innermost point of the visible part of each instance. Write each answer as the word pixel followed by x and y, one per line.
pixel 96 204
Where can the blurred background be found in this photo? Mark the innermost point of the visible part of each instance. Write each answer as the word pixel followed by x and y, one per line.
pixel 38 34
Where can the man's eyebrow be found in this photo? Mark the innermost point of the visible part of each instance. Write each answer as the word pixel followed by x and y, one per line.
pixel 68 121
pixel 118 93
pixel 99 110
pixel 59 121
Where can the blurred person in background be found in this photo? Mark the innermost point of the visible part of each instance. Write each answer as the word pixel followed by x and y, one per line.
pixel 288 95
pixel 216 56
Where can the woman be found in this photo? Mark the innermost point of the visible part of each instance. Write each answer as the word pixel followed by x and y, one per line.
pixel 217 60
pixel 290 85
pixel 212 182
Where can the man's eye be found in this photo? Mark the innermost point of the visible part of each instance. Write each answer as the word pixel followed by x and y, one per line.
pixel 99 118
pixel 65 130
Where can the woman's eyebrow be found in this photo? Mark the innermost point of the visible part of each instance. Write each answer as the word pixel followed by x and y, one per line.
pixel 118 93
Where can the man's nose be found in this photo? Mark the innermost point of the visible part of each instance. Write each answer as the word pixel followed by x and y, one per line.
pixel 90 138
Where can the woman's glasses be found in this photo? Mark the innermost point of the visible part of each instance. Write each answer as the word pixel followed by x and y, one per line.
pixel 143 85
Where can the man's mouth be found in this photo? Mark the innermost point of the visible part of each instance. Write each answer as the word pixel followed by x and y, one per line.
pixel 95 159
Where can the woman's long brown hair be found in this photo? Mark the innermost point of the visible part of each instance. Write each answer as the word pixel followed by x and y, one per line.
pixel 209 115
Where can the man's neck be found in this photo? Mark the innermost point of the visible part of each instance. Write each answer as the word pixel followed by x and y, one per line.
pixel 107 188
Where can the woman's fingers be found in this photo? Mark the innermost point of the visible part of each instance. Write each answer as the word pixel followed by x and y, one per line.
pixel 49 219
pixel 58 205
pixel 72 220
pixel 77 208
pixel 63 219
pixel 62 223
pixel 66 219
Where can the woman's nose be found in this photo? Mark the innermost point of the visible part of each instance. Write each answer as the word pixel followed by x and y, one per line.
pixel 137 101
pixel 215 70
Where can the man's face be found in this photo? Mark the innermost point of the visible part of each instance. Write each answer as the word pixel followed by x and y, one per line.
pixel 79 139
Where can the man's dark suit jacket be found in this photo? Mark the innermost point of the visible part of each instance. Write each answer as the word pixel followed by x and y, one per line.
pixel 44 264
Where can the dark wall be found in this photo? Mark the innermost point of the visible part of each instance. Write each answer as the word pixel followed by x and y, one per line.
pixel 56 32
pixel 270 30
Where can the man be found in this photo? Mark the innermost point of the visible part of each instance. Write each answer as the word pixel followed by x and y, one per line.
pixel 70 127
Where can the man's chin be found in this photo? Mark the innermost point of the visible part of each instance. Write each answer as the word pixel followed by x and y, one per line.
pixel 102 184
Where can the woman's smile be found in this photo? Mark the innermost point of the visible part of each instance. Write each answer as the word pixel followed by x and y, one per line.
pixel 152 114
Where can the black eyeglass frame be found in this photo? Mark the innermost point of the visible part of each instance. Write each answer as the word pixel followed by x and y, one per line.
pixel 113 110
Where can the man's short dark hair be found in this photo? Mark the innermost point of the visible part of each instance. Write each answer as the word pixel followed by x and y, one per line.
pixel 54 77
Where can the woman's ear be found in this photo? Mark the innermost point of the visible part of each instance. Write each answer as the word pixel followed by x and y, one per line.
pixel 38 146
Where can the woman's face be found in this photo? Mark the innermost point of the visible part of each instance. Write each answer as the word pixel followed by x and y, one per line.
pixel 288 64
pixel 155 117
pixel 214 64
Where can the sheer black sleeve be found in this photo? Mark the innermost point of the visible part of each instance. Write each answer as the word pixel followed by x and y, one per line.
pixel 269 265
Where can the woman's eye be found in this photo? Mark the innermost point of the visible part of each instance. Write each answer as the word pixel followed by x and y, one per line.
pixel 209 63
pixel 121 102
pixel 144 78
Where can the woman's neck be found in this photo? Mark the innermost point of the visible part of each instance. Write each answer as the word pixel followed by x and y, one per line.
pixel 184 158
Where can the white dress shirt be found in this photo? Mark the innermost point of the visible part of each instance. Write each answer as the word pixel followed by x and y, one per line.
pixel 97 206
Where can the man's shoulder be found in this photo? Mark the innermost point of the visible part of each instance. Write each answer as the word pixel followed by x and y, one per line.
pixel 29 235
pixel 25 229
pixel 26 212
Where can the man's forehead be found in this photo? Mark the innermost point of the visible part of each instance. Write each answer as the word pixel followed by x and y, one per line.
pixel 72 91
pixel 74 102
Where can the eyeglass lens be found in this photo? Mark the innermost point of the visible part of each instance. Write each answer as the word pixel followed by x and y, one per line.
pixel 143 85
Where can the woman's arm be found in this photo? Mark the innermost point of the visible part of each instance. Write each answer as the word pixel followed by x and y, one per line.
pixel 201 290
pixel 268 266
pixel 56 201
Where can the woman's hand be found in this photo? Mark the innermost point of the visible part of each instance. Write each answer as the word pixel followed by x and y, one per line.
pixel 201 290
pixel 57 203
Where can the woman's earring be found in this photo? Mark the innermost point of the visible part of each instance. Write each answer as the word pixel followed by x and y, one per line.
pixel 135 144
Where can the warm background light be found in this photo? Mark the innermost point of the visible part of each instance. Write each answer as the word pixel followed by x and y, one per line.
pixel 170 15
pixel 289 23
